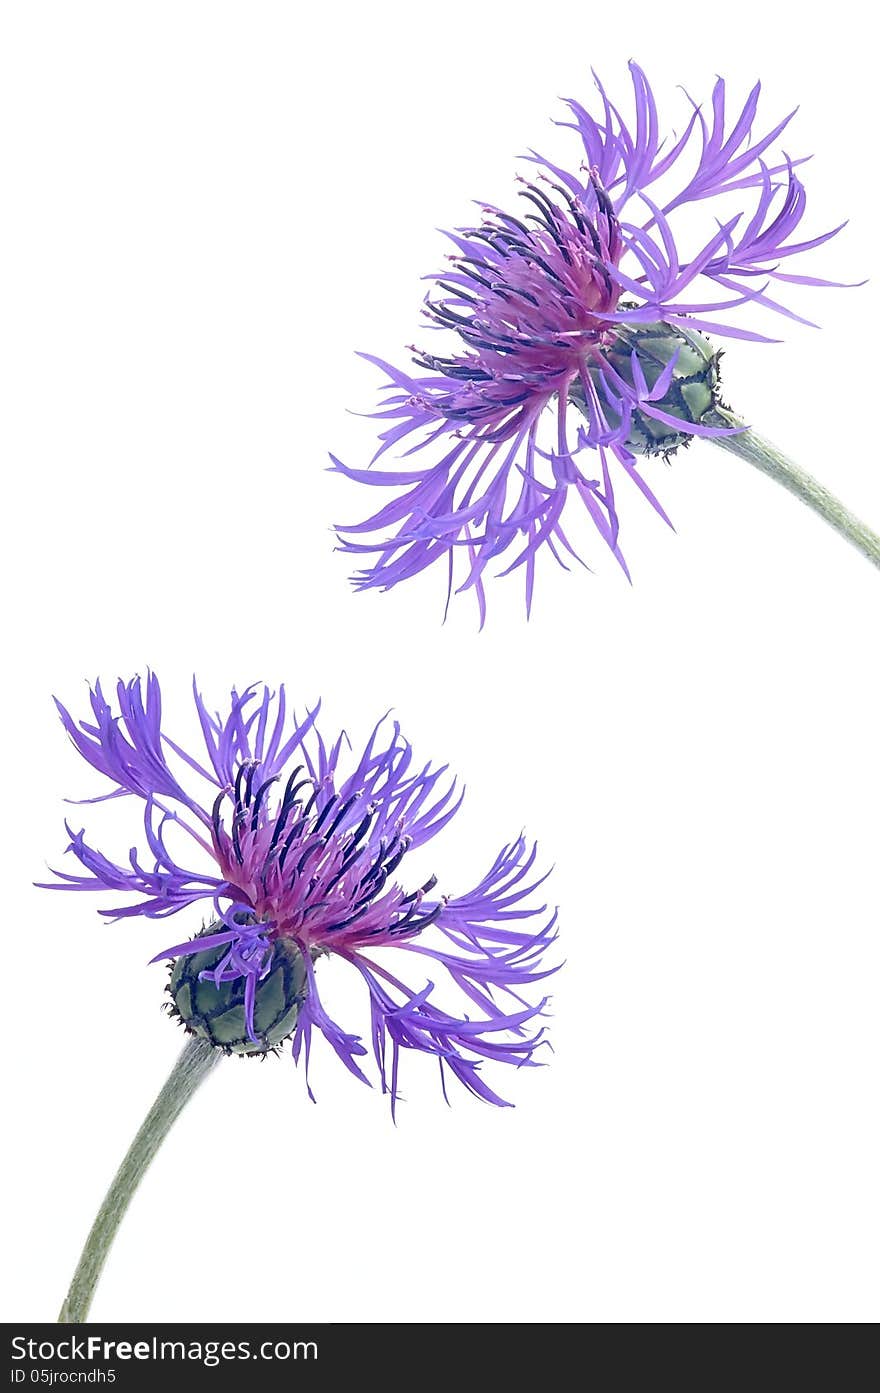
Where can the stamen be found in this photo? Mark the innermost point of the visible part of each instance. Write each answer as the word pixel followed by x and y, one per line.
pixel 237 820
pixel 215 812
pixel 249 781
pixel 242 770
pixel 339 816
pixel 261 793
pixel 334 798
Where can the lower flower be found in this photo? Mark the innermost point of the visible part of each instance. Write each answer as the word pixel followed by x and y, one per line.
pixel 300 859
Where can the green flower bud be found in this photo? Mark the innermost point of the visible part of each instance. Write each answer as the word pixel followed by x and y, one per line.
pixel 692 394
pixel 217 1013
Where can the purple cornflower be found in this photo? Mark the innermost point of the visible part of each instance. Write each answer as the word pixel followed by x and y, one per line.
pixel 592 299
pixel 299 859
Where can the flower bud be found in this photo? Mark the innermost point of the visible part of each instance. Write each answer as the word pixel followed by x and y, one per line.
pixel 217 1013
pixel 692 394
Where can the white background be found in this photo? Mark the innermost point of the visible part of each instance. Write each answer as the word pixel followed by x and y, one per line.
pixel 208 208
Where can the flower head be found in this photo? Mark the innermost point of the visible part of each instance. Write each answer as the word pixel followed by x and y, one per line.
pixel 555 387
pixel 298 857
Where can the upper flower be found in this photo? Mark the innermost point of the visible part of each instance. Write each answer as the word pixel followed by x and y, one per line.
pixel 299 860
pixel 552 309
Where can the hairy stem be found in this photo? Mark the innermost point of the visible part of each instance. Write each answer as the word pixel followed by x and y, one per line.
pixel 764 456
pixel 196 1061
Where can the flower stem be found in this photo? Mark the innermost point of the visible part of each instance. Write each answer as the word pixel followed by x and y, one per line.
pixel 196 1061
pixel 764 456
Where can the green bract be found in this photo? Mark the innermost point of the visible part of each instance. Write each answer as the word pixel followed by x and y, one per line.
pixel 692 395
pixel 217 1013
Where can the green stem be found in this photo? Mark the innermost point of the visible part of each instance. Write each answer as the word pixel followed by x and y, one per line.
pixel 764 456
pixel 196 1061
